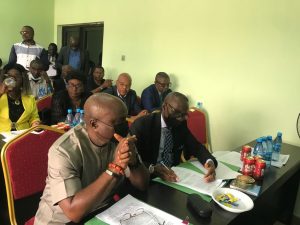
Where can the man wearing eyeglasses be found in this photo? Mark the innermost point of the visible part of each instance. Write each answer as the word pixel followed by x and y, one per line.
pixel 27 50
pixel 162 137
pixel 154 95
pixel 86 167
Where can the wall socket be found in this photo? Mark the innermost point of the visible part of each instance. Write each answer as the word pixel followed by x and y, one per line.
pixel 123 57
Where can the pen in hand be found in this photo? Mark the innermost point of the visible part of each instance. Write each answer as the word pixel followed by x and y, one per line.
pixel 170 171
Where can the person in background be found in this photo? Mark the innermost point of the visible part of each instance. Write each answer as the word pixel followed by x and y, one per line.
pixel 162 137
pixel 18 108
pixel 74 56
pixel 154 95
pixel 60 84
pixel 127 95
pixel 86 168
pixel 27 50
pixel 39 81
pixel 52 56
pixel 0 65
pixel 73 97
pixel 96 82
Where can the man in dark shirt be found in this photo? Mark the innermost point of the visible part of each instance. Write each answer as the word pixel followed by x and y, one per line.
pixel 127 95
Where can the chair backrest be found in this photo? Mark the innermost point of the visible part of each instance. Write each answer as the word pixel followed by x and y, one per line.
pixel 44 103
pixel 197 124
pixel 44 109
pixel 24 161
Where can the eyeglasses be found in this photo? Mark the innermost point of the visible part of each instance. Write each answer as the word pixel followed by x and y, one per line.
pixel 163 85
pixel 24 32
pixel 118 128
pixel 177 114
pixel 74 86
pixel 141 216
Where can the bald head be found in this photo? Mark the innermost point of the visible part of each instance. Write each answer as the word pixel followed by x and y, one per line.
pixel 123 83
pixel 177 97
pixel 101 102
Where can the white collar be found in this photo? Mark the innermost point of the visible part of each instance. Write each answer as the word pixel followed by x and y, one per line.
pixel 163 123
pixel 120 94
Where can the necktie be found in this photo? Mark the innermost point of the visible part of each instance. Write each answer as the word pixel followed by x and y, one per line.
pixel 167 155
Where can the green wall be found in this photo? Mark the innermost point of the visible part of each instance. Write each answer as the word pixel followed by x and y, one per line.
pixel 240 58
pixel 17 13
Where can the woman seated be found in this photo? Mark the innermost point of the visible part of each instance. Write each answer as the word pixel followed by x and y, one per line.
pixel 73 97
pixel 95 82
pixel 18 108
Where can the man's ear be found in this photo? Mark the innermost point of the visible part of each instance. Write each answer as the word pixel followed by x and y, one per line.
pixel 93 123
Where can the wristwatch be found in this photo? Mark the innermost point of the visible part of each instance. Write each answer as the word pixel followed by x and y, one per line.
pixel 110 173
pixel 151 168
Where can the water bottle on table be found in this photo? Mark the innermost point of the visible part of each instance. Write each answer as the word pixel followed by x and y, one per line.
pixel 81 119
pixel 269 152
pixel 76 117
pixel 258 148
pixel 69 118
pixel 277 147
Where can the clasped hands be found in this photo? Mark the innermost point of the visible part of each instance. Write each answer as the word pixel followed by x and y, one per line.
pixel 125 153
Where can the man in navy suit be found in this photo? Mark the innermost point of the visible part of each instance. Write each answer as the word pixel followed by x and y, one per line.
pixel 154 95
pixel 163 136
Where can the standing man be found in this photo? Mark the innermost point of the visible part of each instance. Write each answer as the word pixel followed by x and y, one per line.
pixel 154 95
pixel 52 56
pixel 127 95
pixel 26 51
pixel 85 167
pixel 74 56
pixel 162 137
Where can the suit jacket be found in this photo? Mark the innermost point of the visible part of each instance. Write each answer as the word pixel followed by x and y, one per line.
pixel 150 98
pixel 63 59
pixel 148 131
pixel 25 121
pixel 130 100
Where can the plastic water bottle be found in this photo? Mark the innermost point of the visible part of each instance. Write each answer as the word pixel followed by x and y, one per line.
pixel 258 148
pixel 199 105
pixel 81 119
pixel 69 118
pixel 269 152
pixel 276 150
pixel 76 117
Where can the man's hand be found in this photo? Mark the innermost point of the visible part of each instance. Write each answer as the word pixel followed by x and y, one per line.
pixel 123 153
pixel 107 83
pixel 3 88
pixel 211 172
pixel 167 174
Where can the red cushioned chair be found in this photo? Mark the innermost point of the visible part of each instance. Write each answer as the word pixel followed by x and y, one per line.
pixel 44 108
pixel 197 124
pixel 24 161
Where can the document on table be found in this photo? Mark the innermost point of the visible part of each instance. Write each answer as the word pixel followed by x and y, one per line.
pixel 281 162
pixel 222 171
pixel 195 181
pixel 130 210
pixel 232 158
pixel 10 135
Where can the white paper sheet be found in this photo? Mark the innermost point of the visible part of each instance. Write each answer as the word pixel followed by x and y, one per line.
pixel 223 172
pixel 193 180
pixel 130 210
pixel 281 162
pixel 232 158
pixel 10 135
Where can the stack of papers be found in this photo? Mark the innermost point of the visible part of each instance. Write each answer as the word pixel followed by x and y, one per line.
pixel 281 162
pixel 130 210
pixel 195 181
pixel 232 158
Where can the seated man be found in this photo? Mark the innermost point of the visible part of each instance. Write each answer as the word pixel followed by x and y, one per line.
pixel 127 95
pixel 154 95
pixel 73 97
pixel 96 82
pixel 60 83
pixel 161 138
pixel 40 83
pixel 85 167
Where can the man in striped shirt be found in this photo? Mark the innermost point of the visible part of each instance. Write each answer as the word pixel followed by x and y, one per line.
pixel 27 50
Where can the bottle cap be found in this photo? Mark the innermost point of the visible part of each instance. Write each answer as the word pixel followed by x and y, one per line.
pixel 78 110
pixel 269 137
pixel 258 140
pixel 69 110
pixel 279 133
pixel 81 111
